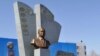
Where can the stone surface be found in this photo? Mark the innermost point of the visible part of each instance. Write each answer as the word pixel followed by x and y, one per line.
pixel 26 28
pixel 28 22
pixel 45 19
pixel 41 52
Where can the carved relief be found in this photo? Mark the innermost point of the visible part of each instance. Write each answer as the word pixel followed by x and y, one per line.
pixel 21 9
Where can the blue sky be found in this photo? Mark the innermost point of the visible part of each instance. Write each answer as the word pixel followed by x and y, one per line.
pixel 80 20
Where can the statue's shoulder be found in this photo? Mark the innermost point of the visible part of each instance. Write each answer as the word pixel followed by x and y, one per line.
pixel 48 42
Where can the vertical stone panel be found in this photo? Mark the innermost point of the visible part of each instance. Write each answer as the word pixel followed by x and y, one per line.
pixel 46 19
pixel 26 28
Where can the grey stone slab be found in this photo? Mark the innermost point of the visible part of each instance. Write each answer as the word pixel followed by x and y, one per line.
pixel 45 18
pixel 41 52
pixel 26 28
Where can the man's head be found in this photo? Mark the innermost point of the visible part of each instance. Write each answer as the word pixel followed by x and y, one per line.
pixel 10 45
pixel 41 32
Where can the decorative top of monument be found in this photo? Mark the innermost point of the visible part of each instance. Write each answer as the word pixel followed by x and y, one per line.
pixel 44 7
pixel 44 12
pixel 40 41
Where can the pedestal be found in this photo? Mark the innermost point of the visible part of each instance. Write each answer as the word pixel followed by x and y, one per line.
pixel 41 52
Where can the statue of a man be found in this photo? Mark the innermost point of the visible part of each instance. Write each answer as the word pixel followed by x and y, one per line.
pixel 10 49
pixel 40 41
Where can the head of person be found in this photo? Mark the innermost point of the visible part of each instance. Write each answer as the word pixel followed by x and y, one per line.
pixel 41 32
pixel 10 45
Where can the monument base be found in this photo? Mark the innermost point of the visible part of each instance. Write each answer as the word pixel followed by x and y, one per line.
pixel 41 52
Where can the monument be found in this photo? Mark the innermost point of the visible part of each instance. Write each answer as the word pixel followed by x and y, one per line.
pixel 36 29
pixel 10 49
pixel 40 41
pixel 26 28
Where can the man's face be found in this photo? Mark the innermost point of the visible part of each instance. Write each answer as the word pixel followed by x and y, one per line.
pixel 41 32
pixel 10 46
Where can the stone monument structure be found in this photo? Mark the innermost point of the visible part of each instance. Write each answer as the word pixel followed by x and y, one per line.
pixel 41 42
pixel 26 28
pixel 35 26
pixel 45 18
